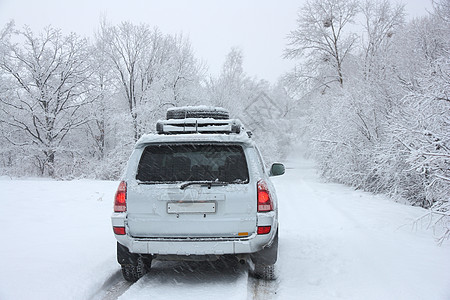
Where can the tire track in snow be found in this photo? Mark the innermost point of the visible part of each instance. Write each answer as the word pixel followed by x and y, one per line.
pixel 221 279
pixel 114 287
pixel 259 289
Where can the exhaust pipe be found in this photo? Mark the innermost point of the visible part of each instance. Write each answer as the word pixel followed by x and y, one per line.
pixel 242 259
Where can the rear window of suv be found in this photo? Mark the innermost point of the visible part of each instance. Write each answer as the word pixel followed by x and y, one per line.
pixel 193 162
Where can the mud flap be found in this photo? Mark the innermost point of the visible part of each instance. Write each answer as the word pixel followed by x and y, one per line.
pixel 268 255
pixel 125 257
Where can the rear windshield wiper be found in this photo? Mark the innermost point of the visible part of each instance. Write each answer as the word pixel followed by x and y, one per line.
pixel 209 183
pixel 147 182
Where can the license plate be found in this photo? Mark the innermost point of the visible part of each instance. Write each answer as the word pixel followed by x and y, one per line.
pixel 191 207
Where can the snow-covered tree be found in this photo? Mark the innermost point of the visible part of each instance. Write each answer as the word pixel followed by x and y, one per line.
pixel 321 38
pixel 386 129
pixel 134 55
pixel 232 87
pixel 381 22
pixel 45 81
pixel 153 71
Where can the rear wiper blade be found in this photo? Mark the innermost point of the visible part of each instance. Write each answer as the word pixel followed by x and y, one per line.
pixel 147 182
pixel 209 183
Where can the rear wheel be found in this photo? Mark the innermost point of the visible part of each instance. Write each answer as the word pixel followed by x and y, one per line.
pixel 134 265
pixel 264 261
pixel 133 273
pixel 266 272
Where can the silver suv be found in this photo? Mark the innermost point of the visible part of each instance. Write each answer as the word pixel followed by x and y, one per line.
pixel 196 190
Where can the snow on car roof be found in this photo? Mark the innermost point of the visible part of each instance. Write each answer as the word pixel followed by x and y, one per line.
pixel 242 138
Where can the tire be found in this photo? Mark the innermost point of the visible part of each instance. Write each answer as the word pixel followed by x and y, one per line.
pixel 134 265
pixel 133 273
pixel 266 272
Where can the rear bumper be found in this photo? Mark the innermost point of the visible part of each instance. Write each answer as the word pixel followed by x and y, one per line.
pixel 198 246
pixel 194 246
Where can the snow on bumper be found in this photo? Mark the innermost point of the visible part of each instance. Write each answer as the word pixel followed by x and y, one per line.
pixel 194 246
pixel 197 246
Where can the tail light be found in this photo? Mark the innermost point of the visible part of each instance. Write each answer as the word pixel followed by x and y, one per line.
pixel 120 201
pixel 119 230
pixel 264 229
pixel 264 201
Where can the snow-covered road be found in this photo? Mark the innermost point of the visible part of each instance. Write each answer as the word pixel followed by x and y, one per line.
pixel 335 243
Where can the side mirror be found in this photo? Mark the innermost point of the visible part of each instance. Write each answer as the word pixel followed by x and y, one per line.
pixel 277 169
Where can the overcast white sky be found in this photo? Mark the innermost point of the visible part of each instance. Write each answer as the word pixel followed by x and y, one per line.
pixel 258 27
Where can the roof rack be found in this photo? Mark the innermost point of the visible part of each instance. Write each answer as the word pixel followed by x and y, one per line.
pixel 194 125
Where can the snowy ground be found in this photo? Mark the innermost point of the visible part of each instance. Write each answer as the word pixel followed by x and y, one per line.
pixel 335 243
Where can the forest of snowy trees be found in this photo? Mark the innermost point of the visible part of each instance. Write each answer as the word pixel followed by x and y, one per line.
pixel 73 107
pixel 368 99
pixel 374 106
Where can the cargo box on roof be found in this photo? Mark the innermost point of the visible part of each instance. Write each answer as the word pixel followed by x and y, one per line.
pixel 187 112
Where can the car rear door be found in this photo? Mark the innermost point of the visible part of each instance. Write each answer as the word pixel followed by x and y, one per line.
pixel 192 191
